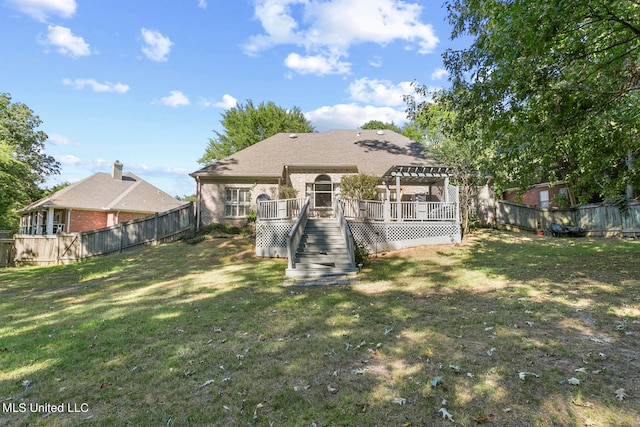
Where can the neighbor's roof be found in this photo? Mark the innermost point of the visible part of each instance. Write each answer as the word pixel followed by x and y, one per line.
pixel 101 192
pixel 369 151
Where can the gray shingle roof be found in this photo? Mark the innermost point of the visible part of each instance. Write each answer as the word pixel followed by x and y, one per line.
pixel 369 151
pixel 101 192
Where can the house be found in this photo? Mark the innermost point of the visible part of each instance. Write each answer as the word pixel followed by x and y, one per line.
pixel 543 195
pixel 98 201
pixel 415 205
pixel 313 164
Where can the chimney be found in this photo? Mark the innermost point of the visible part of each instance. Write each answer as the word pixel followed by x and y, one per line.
pixel 116 171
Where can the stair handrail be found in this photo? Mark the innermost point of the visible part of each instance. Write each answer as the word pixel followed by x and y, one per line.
pixel 295 234
pixel 344 228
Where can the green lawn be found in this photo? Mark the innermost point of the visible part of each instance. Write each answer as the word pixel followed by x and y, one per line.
pixel 207 334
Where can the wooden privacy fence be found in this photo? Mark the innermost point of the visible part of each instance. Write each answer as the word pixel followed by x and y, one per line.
pixel 64 248
pixel 595 220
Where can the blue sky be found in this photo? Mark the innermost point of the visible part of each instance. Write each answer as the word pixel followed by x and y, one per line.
pixel 146 81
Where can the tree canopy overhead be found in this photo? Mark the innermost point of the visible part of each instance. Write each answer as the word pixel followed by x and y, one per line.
pixel 554 88
pixel 245 125
pixel 23 163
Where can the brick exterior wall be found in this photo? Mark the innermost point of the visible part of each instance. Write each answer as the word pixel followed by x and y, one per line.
pixel 532 196
pixel 91 220
pixel 86 220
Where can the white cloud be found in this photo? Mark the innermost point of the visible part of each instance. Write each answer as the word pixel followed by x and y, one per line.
pixel 59 140
pixel 41 9
pixel 330 28
pixel 316 64
pixel 227 102
pixel 351 116
pixel 439 74
pixel 96 86
pixel 156 46
pixel 65 42
pixel 68 159
pixel 376 61
pixel 202 4
pixel 176 99
pixel 379 92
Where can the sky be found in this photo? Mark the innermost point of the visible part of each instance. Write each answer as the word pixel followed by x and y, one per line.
pixel 146 82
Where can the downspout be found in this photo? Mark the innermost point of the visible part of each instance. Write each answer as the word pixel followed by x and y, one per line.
pixel 198 202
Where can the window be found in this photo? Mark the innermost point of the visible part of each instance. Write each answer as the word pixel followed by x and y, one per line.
pixel 543 197
pixel 236 202
pixel 323 191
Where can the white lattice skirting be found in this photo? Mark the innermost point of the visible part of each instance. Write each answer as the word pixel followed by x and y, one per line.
pixel 376 236
pixel 380 236
pixel 271 238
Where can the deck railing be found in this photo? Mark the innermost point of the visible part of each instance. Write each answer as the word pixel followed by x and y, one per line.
pixel 344 228
pixel 374 210
pixel 280 209
pixel 294 236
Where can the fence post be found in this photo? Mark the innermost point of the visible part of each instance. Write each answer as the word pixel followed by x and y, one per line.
pixel 155 228
pixel 121 243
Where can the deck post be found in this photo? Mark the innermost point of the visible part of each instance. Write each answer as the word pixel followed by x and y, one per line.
pixel 398 199
pixel 446 189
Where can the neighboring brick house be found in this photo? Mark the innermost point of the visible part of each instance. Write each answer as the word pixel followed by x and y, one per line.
pixel 543 195
pixel 98 201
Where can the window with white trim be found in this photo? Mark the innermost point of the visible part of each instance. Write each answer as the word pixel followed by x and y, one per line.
pixel 236 202
pixel 543 198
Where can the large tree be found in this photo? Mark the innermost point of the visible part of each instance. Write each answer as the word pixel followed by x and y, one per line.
pixel 455 146
pixel 23 164
pixel 245 125
pixel 554 87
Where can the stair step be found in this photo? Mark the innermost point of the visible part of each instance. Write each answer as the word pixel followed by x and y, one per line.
pixel 323 272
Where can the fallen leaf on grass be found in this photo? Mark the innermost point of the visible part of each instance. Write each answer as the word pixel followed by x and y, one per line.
pixel 400 400
pixel 621 394
pixel 482 418
pixel 446 414
pixel 583 404
pixel 526 374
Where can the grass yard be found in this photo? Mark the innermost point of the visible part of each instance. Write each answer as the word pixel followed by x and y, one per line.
pixel 505 330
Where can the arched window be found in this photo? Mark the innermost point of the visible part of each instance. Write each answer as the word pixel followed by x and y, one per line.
pixel 323 191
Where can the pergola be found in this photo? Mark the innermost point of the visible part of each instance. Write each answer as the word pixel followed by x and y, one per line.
pixel 426 175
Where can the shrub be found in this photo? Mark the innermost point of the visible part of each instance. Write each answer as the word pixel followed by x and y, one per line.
pixel 361 186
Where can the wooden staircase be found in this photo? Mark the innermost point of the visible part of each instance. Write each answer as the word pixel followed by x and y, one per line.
pixel 322 251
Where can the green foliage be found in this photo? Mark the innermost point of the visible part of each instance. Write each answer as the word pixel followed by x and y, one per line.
pixel 408 129
pixel 23 164
pixel 252 215
pixel 362 255
pixel 378 125
pixel 554 88
pixel 190 198
pixel 245 125
pixel 452 144
pixel 360 186
pixel 287 192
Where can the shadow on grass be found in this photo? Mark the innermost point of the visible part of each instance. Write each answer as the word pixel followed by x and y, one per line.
pixel 207 335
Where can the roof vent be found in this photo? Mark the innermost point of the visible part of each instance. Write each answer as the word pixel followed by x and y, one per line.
pixel 293 135
pixel 380 132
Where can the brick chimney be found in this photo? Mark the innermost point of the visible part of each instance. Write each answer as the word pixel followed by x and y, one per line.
pixel 116 171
